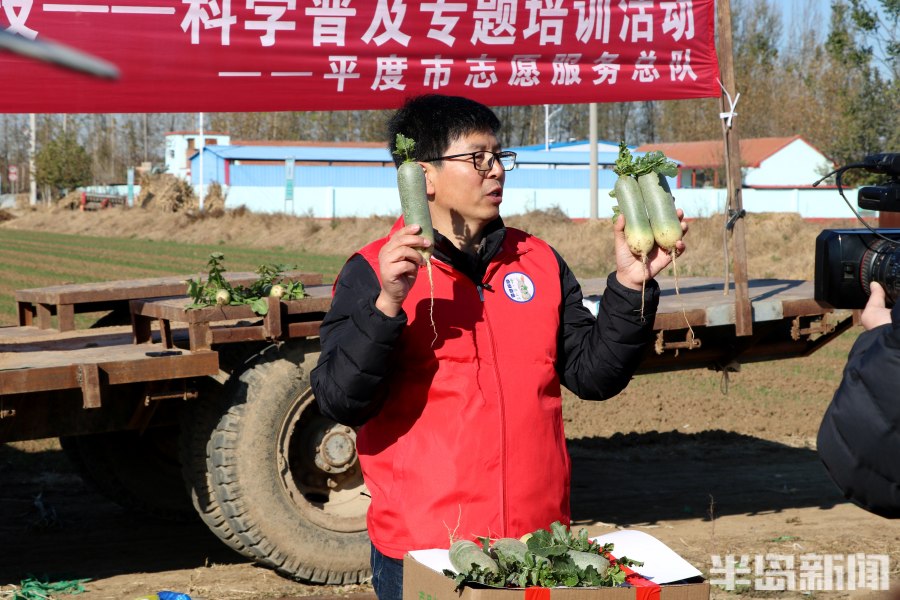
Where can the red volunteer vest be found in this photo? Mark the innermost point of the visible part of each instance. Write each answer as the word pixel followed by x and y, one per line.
pixel 470 440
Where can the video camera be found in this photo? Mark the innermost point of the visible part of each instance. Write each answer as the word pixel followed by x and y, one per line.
pixel 848 260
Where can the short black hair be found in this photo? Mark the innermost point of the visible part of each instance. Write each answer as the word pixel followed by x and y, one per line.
pixel 435 121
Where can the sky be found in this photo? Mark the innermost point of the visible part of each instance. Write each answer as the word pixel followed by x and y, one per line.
pixel 804 10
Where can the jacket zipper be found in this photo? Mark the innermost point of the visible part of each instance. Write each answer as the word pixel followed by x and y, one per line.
pixel 501 401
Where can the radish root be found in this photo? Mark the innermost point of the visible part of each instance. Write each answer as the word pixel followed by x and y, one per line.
pixel 431 305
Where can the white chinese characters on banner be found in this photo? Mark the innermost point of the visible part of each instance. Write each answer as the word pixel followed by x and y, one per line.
pixel 481 72
pixel 545 17
pixel 442 23
pixel 566 69
pixel 389 73
pixel 206 13
pixel 387 20
pixel 437 72
pixel 606 69
pixel 593 20
pixel 330 21
pixel 16 12
pixel 645 70
pixel 638 23
pixel 274 11
pixel 495 22
pixel 681 66
pixel 679 19
pixel 342 69
pixel 373 53
pixel 525 70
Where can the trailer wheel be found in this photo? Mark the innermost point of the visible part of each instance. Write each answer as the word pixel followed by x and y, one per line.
pixel 287 478
pixel 199 420
pixel 137 470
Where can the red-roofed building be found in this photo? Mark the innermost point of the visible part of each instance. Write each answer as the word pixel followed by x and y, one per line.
pixel 782 162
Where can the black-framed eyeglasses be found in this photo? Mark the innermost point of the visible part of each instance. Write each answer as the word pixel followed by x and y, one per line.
pixel 483 160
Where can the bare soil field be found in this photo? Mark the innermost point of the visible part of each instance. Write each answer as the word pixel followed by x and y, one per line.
pixel 710 467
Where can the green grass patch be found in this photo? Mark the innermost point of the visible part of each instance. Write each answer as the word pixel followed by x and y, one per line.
pixel 33 259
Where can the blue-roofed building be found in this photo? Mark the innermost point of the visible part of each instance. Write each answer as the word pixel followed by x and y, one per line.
pixel 335 180
pixel 343 180
pixel 573 146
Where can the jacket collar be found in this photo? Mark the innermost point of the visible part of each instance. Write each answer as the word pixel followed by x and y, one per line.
pixel 473 266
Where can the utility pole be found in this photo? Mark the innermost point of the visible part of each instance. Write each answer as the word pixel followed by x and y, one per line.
pixel 595 176
pixel 200 159
pixel 32 198
pixel 743 317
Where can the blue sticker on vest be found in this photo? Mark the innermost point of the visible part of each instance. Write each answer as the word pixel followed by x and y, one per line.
pixel 518 287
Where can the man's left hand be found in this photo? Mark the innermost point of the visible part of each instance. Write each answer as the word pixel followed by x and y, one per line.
pixel 630 271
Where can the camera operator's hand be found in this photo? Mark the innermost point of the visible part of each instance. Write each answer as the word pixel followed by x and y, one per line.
pixel 875 313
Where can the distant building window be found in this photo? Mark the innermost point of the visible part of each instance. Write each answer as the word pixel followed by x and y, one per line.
pixel 698 178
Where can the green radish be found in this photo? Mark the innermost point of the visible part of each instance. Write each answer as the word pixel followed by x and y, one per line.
pixel 651 171
pixel 413 196
pixel 661 210
pixel 509 548
pixel 506 550
pixel 638 231
pixel 414 203
pixel 627 193
pixel 465 554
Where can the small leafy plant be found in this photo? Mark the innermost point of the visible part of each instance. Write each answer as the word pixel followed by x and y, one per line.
pixel 217 291
pixel 554 558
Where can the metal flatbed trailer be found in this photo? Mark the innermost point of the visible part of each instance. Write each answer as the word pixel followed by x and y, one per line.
pixel 696 325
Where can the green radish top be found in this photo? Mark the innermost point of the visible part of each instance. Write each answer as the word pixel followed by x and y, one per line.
pixel 651 162
pixel 406 148
pixel 413 192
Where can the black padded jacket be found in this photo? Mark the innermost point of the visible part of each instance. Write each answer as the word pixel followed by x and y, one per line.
pixel 859 438
pixel 597 357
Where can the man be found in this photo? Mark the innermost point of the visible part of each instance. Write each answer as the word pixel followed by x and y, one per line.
pixel 460 401
pixel 859 438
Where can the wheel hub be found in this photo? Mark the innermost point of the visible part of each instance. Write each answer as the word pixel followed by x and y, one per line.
pixel 337 451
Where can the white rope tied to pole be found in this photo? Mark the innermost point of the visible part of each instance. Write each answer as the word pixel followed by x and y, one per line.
pixel 729 116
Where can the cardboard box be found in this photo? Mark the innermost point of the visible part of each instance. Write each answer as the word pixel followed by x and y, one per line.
pixel 423 579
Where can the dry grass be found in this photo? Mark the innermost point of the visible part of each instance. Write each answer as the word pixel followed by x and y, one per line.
pixel 779 245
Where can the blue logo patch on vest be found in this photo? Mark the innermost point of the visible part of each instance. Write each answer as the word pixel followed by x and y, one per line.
pixel 518 287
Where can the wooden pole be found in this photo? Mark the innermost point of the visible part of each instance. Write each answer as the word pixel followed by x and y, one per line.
pixel 734 214
pixel 595 176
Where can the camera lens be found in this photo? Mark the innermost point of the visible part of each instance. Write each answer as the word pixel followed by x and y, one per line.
pixel 881 263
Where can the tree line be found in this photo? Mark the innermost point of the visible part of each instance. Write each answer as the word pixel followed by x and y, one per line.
pixel 833 79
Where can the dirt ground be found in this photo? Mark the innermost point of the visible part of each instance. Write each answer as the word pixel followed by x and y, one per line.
pixel 709 474
pixel 659 458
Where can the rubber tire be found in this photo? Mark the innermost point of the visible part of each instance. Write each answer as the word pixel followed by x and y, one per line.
pixel 137 470
pixel 199 420
pixel 244 463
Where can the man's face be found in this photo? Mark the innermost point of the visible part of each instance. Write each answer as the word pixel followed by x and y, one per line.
pixel 464 199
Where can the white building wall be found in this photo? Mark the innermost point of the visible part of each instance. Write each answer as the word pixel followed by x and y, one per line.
pixel 797 164
pixel 177 145
pixel 332 202
pixel 586 147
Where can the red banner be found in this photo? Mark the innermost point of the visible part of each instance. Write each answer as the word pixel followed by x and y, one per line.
pixel 284 55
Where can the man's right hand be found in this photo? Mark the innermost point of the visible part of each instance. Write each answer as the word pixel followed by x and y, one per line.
pixel 875 314
pixel 399 262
